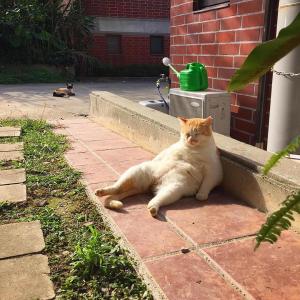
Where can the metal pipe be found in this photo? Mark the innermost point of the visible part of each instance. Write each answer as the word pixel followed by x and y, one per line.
pixel 270 9
pixel 284 124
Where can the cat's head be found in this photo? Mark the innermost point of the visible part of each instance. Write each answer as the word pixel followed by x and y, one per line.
pixel 196 131
pixel 69 86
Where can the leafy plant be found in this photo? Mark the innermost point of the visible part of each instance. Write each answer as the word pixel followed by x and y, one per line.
pixel 4 205
pixel 100 255
pixel 12 74
pixel 101 259
pixel 265 55
pixel 279 220
pixel 258 62
pixel 34 31
pixel 275 158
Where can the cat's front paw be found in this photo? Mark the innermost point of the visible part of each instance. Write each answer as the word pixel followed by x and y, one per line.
pixel 202 196
pixel 100 192
pixel 153 209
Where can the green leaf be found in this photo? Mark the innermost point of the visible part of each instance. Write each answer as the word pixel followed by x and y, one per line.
pixel 265 55
pixel 290 148
pixel 278 221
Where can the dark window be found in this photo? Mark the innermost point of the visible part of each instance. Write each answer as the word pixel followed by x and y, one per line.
pixel 156 44
pixel 113 44
pixel 201 4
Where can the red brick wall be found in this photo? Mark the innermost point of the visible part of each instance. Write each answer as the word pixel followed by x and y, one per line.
pixel 135 50
pixel 128 8
pixel 221 39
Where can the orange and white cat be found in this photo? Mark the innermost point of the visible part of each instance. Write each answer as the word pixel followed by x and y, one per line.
pixel 189 167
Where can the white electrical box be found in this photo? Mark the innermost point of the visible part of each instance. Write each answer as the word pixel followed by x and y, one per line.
pixel 201 105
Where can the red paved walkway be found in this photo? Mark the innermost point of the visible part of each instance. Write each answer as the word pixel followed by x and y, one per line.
pixel 221 263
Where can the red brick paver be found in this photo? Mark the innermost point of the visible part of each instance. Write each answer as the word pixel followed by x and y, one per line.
pixel 187 276
pixel 216 234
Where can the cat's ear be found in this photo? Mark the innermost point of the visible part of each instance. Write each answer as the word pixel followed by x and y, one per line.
pixel 209 120
pixel 182 120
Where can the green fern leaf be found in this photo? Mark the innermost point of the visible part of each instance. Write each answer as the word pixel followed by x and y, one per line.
pixel 278 221
pixel 290 148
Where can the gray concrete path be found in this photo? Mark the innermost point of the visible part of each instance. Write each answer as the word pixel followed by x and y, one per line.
pixel 36 100
pixel 12 176
pixel 10 131
pixel 13 193
pixel 11 155
pixel 24 274
pixel 21 238
pixel 11 147
pixel 25 278
pixel 11 151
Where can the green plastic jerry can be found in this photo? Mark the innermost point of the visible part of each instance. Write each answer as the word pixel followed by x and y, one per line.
pixel 193 78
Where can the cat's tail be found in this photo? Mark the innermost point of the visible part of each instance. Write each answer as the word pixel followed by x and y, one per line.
pixel 112 203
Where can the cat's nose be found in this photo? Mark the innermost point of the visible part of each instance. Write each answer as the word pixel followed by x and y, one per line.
pixel 191 141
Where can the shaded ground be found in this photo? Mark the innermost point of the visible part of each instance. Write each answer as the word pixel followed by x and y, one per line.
pixel 36 100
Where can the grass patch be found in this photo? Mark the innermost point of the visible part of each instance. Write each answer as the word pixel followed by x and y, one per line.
pixel 13 74
pixel 86 260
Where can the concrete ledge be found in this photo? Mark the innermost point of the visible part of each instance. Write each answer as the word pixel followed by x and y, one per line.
pixel 242 163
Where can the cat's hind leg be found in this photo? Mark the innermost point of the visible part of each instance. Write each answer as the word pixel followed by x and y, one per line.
pixel 165 195
pixel 135 180
pixel 124 184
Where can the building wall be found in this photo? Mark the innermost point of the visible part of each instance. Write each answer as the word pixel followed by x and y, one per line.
pixel 135 50
pixel 135 21
pixel 221 39
pixel 128 8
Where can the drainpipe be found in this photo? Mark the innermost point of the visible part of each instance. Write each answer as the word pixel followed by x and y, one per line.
pixel 270 9
pixel 284 124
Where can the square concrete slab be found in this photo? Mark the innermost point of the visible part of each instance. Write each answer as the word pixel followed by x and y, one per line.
pixel 91 132
pixel 77 147
pixel 220 218
pixel 25 278
pixel 188 277
pixel 149 236
pixel 74 121
pixel 119 155
pixel 21 238
pixel 10 131
pixel 270 273
pixel 11 155
pixel 12 176
pixel 103 175
pixel 109 144
pixel 122 166
pixel 13 193
pixel 11 147
pixel 82 158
